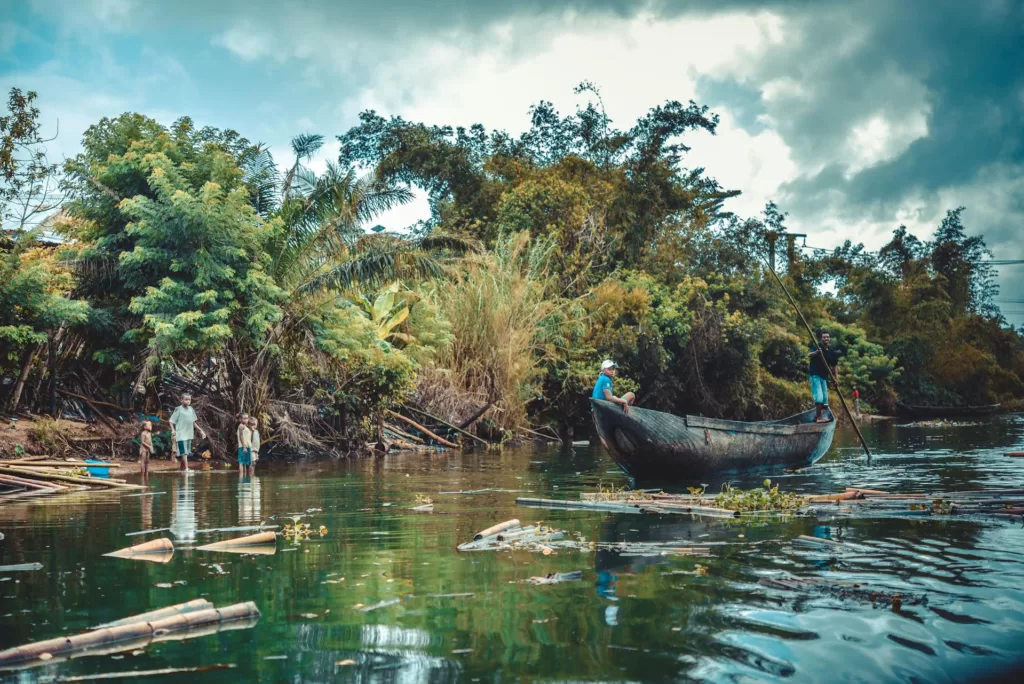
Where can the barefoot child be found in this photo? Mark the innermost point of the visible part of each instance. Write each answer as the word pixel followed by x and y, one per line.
pixel 183 427
pixel 145 447
pixel 244 443
pixel 255 441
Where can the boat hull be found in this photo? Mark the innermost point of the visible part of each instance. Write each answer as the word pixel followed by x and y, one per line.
pixel 653 446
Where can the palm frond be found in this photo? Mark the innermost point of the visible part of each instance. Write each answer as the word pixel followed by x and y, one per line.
pixel 262 178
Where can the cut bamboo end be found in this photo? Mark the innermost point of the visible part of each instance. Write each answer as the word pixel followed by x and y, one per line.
pixel 261 539
pixel 158 550
pixel 495 529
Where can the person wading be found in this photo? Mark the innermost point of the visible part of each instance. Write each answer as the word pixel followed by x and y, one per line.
pixel 603 387
pixel 183 425
pixel 819 375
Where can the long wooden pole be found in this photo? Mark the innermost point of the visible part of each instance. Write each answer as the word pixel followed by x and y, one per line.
pixel 831 373
pixel 447 424
pixel 437 438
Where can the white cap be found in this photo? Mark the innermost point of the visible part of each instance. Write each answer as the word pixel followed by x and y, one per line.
pixel 607 363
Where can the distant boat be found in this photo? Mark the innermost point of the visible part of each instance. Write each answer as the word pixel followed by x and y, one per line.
pixel 913 411
pixel 652 446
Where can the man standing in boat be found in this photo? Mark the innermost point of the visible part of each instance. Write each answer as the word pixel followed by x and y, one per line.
pixel 819 374
pixel 603 387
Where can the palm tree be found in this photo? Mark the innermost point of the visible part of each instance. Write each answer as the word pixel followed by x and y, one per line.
pixel 321 257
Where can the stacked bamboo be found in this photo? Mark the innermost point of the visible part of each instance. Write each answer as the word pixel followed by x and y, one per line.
pixel 183 621
pixel 33 476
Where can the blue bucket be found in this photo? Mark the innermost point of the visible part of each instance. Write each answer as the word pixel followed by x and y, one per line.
pixel 101 469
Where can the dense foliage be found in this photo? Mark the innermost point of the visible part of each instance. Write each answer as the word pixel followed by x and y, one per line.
pixel 191 260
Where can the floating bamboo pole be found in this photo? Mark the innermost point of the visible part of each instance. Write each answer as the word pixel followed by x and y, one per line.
pixel 118 637
pixel 262 540
pixel 160 613
pixel 495 529
pixel 158 550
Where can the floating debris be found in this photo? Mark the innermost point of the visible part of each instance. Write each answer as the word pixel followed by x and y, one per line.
pixel 552 578
pixel 940 423
pixel 23 567
pixel 844 590
pixel 511 535
pixel 378 606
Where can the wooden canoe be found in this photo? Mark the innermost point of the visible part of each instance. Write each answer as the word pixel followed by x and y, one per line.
pixel 914 411
pixel 654 447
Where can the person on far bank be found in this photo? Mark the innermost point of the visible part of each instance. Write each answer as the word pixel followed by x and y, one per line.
pixel 856 401
pixel 819 375
pixel 145 448
pixel 603 387
pixel 244 443
pixel 183 426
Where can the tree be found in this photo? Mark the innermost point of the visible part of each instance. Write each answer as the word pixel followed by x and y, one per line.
pixel 28 182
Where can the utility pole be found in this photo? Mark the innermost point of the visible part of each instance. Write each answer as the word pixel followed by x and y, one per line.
pixel 772 236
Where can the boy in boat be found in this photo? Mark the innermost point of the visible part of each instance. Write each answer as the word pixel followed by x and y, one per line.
pixel 819 374
pixel 603 387
pixel 183 425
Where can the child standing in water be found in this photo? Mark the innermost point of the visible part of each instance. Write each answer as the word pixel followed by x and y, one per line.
pixel 244 443
pixel 255 441
pixel 145 447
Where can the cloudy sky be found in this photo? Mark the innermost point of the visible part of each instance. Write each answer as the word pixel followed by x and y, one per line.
pixel 854 115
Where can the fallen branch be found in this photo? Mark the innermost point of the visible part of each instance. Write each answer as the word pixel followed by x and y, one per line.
pixel 437 438
pixel 447 424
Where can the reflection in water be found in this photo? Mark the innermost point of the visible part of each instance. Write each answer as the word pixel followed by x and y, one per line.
pixel 642 613
pixel 183 513
pixel 249 500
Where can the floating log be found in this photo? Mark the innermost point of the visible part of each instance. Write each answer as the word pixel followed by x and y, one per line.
pixel 448 425
pixel 437 438
pixel 861 490
pixel 157 551
pixel 33 484
pixel 253 540
pixel 495 529
pixel 608 506
pixel 161 613
pixel 1015 454
pixel 105 640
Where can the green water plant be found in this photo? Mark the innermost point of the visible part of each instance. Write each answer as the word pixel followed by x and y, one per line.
pixel 766 498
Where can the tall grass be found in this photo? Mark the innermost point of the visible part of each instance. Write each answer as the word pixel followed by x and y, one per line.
pixel 505 317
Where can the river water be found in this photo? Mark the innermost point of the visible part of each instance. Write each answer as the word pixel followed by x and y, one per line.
pixel 385 597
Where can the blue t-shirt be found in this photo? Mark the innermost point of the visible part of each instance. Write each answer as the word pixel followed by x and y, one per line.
pixel 603 383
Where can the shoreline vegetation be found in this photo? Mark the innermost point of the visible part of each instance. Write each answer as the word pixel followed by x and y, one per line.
pixel 169 259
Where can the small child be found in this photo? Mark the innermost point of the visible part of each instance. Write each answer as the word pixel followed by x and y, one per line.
pixel 254 425
pixel 244 443
pixel 145 447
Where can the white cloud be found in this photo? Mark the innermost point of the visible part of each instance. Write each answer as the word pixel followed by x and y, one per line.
pixel 246 41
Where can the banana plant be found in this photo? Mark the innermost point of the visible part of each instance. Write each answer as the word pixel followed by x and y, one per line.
pixel 386 315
